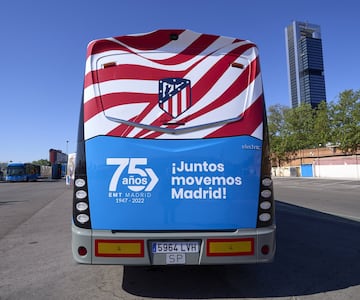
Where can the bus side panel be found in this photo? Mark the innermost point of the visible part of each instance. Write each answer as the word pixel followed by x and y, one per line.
pixel 173 184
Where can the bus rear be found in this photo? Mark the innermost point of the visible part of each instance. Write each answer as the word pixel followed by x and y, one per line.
pixel 172 164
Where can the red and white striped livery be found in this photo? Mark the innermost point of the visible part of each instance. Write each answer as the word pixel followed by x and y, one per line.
pixel 122 77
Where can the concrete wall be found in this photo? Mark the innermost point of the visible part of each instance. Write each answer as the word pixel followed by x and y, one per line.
pixel 347 167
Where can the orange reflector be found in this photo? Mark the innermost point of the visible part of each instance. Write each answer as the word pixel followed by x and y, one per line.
pixel 237 65
pixel 230 247
pixel 109 64
pixel 119 248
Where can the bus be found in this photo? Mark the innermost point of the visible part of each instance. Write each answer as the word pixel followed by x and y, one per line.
pixel 22 172
pixel 172 163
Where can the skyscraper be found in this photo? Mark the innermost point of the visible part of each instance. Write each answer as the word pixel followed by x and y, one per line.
pixel 305 64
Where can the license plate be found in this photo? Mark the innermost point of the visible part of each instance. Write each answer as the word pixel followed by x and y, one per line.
pixel 175 247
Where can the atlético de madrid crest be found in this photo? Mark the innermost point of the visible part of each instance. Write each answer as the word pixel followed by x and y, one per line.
pixel 174 95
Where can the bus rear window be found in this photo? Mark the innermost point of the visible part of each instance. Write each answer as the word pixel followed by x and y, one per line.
pixel 146 94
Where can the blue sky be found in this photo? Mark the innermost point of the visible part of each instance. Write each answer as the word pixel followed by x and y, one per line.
pixel 43 46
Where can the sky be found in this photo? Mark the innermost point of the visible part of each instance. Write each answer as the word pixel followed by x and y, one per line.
pixel 43 46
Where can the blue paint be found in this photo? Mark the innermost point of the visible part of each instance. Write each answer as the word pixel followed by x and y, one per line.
pixel 205 184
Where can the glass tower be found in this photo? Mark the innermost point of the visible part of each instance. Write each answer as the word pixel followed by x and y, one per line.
pixel 305 64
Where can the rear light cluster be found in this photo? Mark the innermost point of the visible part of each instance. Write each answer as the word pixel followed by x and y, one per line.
pixel 266 203
pixel 81 210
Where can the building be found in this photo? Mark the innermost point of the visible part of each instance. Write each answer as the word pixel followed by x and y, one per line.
pixel 305 64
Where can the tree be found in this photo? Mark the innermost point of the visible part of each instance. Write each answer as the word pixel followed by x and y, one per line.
pixel 345 121
pixel 299 128
pixel 42 162
pixel 304 127
pixel 321 132
pixel 276 123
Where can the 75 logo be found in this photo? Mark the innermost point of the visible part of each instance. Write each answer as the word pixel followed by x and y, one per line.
pixel 137 177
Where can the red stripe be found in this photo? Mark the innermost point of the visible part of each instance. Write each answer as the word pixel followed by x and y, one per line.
pixel 206 82
pixel 179 103
pixel 122 130
pixel 237 87
pixel 92 108
pixel 131 72
pixel 234 90
pixel 188 96
pixel 89 79
pixel 150 41
pixel 251 120
pixel 194 49
pixel 170 105
pixel 99 104
pixel 100 46
pixel 126 71
pixel 213 74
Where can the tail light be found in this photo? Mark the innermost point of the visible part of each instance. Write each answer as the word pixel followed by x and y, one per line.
pixel 266 203
pixel 81 212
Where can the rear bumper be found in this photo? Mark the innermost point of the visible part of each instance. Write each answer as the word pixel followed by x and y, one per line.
pixel 259 245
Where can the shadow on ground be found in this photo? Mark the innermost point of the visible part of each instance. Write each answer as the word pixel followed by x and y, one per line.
pixel 316 253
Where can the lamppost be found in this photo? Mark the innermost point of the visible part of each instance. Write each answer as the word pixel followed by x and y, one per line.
pixel 357 165
pixel 67 177
pixel 319 158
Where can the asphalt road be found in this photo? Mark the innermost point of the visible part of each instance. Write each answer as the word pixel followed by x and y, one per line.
pixel 337 197
pixel 318 253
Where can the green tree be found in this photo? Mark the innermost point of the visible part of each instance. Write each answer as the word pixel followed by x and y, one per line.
pixel 345 121
pixel 276 125
pixel 42 162
pixel 299 128
pixel 321 132
pixel 303 127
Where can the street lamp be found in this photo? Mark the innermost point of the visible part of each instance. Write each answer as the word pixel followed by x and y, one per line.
pixel 319 158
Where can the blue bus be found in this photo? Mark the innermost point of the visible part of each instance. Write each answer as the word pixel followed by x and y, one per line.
pixel 22 172
pixel 172 164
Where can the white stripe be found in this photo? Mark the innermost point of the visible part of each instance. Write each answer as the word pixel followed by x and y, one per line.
pixel 121 85
pixel 229 110
pixel 235 108
pixel 91 92
pixel 183 98
pixel 161 53
pixel 100 125
pixel 144 86
pixel 226 80
pixel 198 72
pixel 174 102
pixel 150 117
pixel 185 39
pixel 166 105
pixel 258 132
pixel 218 89
pixel 96 61
pixel 92 60
pixel 150 87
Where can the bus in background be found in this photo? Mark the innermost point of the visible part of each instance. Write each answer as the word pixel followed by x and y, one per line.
pixel 22 172
pixel 172 162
